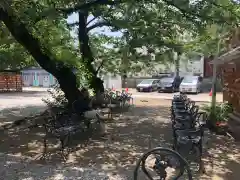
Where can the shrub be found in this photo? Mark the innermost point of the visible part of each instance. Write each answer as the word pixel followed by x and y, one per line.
pixel 57 97
pixel 221 112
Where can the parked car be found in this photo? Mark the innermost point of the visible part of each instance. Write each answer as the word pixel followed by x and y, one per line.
pixel 147 85
pixel 169 84
pixel 191 84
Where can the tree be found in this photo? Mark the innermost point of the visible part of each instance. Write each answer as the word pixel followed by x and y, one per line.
pixel 12 54
pixel 159 27
pixel 153 25
pixel 107 58
pixel 206 43
pixel 41 49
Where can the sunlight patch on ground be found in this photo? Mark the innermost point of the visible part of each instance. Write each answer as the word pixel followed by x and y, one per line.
pixel 115 155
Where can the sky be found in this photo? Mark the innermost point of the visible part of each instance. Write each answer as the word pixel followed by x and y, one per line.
pixel 102 30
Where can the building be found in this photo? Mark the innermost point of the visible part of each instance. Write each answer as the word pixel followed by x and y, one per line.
pixel 196 66
pixel 112 81
pixel 10 80
pixel 230 70
pixel 37 77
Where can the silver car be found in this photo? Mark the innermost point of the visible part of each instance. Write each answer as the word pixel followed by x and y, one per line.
pixel 148 85
pixel 191 84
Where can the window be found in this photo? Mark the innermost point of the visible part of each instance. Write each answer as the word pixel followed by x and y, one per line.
pixel 190 79
pixel 147 81
pixel 167 80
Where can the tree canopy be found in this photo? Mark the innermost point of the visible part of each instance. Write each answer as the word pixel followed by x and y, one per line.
pixel 156 25
pixel 151 31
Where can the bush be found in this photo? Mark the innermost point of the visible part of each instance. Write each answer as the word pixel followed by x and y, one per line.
pixel 221 112
pixel 57 98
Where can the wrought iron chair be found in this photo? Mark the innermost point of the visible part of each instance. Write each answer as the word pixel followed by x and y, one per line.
pixel 164 158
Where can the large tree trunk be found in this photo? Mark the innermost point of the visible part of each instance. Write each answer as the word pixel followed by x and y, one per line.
pixel 64 74
pixel 95 82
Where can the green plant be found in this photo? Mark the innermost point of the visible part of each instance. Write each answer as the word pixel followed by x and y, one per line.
pixel 221 113
pixel 57 97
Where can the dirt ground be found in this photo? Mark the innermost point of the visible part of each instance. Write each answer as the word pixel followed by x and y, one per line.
pixel 145 125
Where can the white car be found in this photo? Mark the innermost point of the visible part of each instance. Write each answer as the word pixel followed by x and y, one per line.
pixel 191 84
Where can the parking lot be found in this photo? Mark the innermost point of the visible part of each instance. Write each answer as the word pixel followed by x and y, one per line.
pixel 22 104
pixel 201 97
pixel 26 98
pixel 34 96
pixel 131 130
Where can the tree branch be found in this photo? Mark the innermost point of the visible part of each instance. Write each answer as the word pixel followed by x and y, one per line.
pixel 191 13
pixel 25 38
pixel 98 24
pixel 87 6
pixel 226 8
pixel 91 20
pixel 99 67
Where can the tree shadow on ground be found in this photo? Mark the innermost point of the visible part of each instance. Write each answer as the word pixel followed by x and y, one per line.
pixel 19 113
pixel 128 138
pixel 222 158
pixel 130 135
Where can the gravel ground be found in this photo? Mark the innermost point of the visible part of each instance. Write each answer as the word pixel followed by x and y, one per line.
pixel 16 168
pixel 101 161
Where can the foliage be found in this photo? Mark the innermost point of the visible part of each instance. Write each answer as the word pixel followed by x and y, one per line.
pixel 51 32
pixel 107 58
pixel 12 54
pixel 55 36
pixel 221 112
pixel 57 98
pixel 170 19
pixel 207 42
pixel 154 30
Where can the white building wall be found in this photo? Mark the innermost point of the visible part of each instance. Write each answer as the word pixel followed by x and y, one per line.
pixel 196 66
pixel 112 81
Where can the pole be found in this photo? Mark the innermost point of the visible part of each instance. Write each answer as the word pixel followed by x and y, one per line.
pixel 177 64
pixel 214 81
pixel 125 61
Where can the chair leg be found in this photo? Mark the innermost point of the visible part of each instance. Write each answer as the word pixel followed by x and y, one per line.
pixel 64 142
pixel 174 143
pixel 62 145
pixel 87 123
pixel 110 113
pixel 44 154
pixel 45 145
pixel 201 165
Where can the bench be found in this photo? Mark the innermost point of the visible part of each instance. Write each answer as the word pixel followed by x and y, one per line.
pixel 62 126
